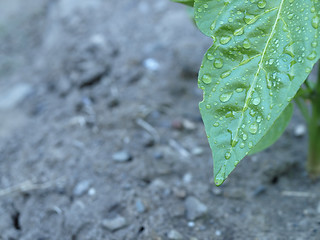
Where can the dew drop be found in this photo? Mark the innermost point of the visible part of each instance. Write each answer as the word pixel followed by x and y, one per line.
pixel 220 176
pixel 290 16
pixel 238 32
pixel 225 39
pixel 313 9
pixel 253 128
pixel 312 55
pixel 244 137
pixel 218 63
pixel 246 44
pixel 315 22
pixel 314 44
pixel 216 124
pixel 210 56
pixel 213 26
pixel 208 106
pixel 259 119
pixel 225 97
pixel 227 156
pixel 308 70
pixel 242 145
pixel 252 113
pixel 256 101
pixel 206 79
pixel 262 4
pixel 225 74
pixel 250 145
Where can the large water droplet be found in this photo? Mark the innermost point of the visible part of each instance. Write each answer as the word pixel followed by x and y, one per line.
pixel 206 79
pixel 210 56
pixel 253 128
pixel 262 4
pixel 220 176
pixel 290 16
pixel 246 44
pixel 218 63
pixel 225 39
pixel 238 32
pixel 312 55
pixel 256 101
pixel 225 97
pixel 315 22
pixel 227 155
pixel 244 137
pixel 225 74
pixel 216 124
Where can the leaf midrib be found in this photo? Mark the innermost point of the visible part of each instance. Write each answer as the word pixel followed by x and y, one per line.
pixel 258 71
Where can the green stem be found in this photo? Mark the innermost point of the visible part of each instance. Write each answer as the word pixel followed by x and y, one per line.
pixel 313 164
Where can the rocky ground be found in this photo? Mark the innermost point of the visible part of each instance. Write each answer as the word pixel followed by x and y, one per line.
pixel 101 137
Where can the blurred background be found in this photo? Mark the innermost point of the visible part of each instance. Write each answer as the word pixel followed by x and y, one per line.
pixel 101 136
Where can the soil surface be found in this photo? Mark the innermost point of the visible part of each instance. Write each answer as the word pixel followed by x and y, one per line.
pixel 101 136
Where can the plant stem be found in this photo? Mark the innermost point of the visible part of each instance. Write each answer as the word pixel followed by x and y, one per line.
pixel 313 164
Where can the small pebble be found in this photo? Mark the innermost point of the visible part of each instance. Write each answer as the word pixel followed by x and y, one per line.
pixel 114 223
pixel 197 151
pixel 92 191
pixel 175 235
pixel 179 193
pixel 195 208
pixel 218 233
pixel 121 156
pixel 14 95
pixel 151 64
pixel 318 208
pixel 187 178
pixel 188 125
pixel 140 206
pixel 191 224
pixel 81 188
pixel 300 130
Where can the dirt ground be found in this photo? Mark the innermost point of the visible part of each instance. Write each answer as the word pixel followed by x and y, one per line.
pixel 101 136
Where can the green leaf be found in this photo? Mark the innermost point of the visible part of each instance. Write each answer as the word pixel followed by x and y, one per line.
pixel 262 52
pixel 186 2
pixel 275 132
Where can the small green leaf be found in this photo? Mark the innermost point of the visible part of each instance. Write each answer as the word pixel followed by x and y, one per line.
pixel 186 2
pixel 275 132
pixel 261 54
